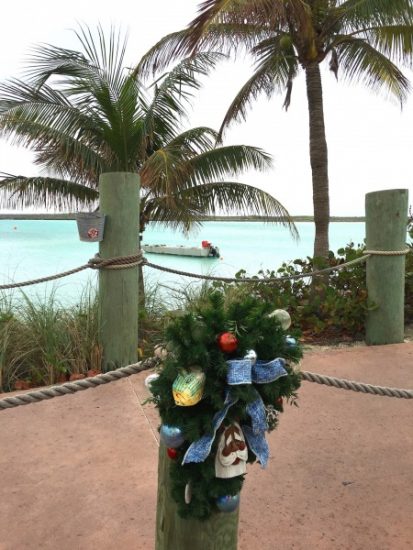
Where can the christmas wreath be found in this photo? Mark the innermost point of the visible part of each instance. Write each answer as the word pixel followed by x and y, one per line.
pixel 227 371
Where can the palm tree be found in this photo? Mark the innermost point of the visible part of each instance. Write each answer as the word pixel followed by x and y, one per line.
pixel 365 39
pixel 83 113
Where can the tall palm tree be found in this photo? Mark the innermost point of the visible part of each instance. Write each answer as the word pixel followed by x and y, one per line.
pixel 83 113
pixel 365 39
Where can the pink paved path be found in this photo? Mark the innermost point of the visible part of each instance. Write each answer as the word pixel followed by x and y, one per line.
pixel 79 472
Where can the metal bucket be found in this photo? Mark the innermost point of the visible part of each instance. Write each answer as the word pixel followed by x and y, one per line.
pixel 91 226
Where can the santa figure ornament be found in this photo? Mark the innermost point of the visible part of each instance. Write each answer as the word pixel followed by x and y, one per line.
pixel 232 453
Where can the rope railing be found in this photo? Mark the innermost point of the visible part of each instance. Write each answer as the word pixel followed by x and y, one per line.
pixel 95 381
pixel 257 279
pixel 356 386
pixel 127 262
pixel 119 262
pixel 78 385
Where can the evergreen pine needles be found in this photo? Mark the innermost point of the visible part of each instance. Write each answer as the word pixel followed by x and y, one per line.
pixel 191 340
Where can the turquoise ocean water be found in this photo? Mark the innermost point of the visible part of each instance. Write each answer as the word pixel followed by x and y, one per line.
pixel 36 248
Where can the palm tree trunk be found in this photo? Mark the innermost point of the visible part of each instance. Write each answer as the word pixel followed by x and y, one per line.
pixel 318 159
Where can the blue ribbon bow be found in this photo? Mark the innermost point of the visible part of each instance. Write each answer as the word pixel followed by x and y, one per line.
pixel 245 371
pixel 242 371
pixel 199 450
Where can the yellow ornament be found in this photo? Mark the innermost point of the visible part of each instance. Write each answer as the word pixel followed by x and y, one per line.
pixel 188 387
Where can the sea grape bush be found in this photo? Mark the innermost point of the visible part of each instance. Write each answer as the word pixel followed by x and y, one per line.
pixel 333 308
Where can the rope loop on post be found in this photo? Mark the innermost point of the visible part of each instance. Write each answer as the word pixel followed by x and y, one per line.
pixel 387 252
pixel 119 262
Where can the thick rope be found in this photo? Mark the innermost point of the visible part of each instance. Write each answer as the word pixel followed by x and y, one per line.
pixel 387 252
pixel 79 385
pixel 256 279
pixel 84 384
pixel 356 386
pixel 120 262
pixel 45 279
pixel 127 262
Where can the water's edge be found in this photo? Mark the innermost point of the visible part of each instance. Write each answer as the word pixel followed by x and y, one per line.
pixel 72 216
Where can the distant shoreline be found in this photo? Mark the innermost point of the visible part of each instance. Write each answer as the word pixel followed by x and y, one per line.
pixel 72 216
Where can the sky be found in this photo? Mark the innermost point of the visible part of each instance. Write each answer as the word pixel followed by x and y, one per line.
pixel 370 139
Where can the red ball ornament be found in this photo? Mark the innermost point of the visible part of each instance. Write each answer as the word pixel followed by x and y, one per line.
pixel 172 453
pixel 279 403
pixel 227 342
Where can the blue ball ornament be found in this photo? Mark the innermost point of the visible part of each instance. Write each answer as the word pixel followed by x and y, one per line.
pixel 291 342
pixel 172 436
pixel 227 503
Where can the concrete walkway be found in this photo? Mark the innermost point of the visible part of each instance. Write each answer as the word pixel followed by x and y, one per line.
pixel 79 472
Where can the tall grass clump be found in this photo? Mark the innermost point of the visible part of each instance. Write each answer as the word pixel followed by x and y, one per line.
pixel 42 342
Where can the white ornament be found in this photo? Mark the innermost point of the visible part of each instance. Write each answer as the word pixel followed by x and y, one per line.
pixel 149 379
pixel 283 317
pixel 188 492
pixel 252 356
pixel 232 453
pixel 160 352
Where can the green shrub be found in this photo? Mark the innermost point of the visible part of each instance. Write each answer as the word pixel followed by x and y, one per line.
pixel 333 307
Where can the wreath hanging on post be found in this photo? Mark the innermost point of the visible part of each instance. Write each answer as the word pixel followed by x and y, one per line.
pixel 228 371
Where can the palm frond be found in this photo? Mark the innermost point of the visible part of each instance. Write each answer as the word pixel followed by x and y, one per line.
pixel 222 162
pixel 237 199
pixel 213 199
pixel 101 64
pixel 173 93
pixel 164 172
pixel 176 214
pixel 361 62
pixel 227 38
pixel 47 61
pixel 353 14
pixel 261 82
pixel 195 141
pixel 46 122
pixel 47 107
pixel 394 41
pixel 213 12
pixel 19 192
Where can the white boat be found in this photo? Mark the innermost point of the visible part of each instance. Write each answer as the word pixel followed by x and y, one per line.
pixel 206 250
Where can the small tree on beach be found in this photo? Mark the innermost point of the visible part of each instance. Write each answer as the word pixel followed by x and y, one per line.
pixel 365 39
pixel 83 113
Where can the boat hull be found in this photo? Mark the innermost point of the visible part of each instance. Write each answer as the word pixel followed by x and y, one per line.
pixel 194 251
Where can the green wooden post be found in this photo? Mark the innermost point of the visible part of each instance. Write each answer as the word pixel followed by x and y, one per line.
pixel 174 533
pixel 118 289
pixel 386 219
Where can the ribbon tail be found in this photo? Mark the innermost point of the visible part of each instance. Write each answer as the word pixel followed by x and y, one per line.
pixel 256 410
pixel 258 445
pixel 199 450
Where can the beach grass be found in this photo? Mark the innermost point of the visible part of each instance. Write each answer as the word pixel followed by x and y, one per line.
pixel 42 342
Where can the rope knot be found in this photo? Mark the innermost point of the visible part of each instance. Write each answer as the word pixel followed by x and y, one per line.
pixel 119 262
